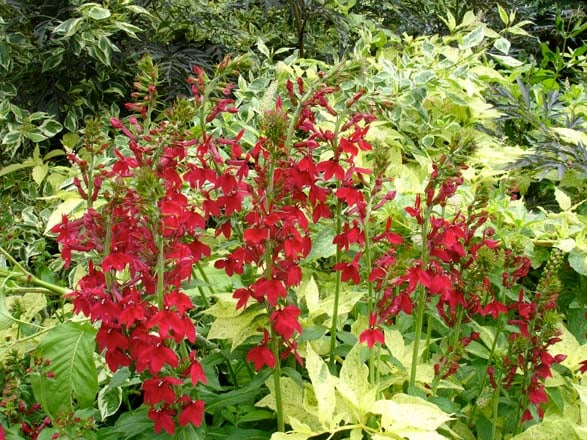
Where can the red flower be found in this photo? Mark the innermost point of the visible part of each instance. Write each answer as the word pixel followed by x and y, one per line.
pixel 195 370
pixel 285 321
pixel 192 413
pixel 261 355
pixel 350 271
pixel 372 336
pixel 163 419
pixel 272 290
pixel 160 389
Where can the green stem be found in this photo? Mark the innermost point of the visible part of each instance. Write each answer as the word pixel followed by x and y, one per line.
pixel 495 408
pixel 160 274
pixel 371 292
pixel 420 300
pixel 33 280
pixel 277 381
pixel 337 286
pixel 489 361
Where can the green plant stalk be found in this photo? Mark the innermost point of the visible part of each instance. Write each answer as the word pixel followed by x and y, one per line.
pixel 207 281
pixel 371 293
pixel 274 336
pixel 495 408
pixel 420 300
pixel 277 381
pixel 337 286
pixel 160 274
pixel 486 375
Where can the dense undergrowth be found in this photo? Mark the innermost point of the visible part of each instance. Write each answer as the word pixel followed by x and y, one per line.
pixel 368 239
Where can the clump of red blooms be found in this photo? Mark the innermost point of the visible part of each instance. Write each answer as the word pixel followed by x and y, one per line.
pixel 453 268
pixel 167 187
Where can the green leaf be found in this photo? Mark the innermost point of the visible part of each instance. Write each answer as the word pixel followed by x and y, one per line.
pixel 563 200
pixel 69 348
pixel 35 135
pixel 52 61
pixel 410 417
pixel 40 172
pixel 50 127
pixel 323 384
pixel 550 429
pixel 263 48
pixel 507 61
pixel 238 328
pixel 5 59
pixel 502 45
pixel 6 319
pixel 68 27
pixel 98 13
pixel 578 261
pixel 503 15
pixel 473 38
pixel 353 383
pixel 109 400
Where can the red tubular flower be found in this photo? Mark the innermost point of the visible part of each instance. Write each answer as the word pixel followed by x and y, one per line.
pixel 163 419
pixel 285 321
pixel 160 389
pixel 192 412
pixel 260 356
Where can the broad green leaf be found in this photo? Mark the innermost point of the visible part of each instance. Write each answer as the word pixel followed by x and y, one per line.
pixel 239 328
pixel 263 48
pixel 507 61
pixel 323 384
pixel 52 61
pixel 68 27
pixel 578 260
pixel 308 290
pixel 50 127
pixel 563 200
pixel 410 417
pixel 570 135
pixel 30 304
pixel 39 173
pixel 473 38
pixel 35 135
pixel 569 346
pixel 69 348
pixel 129 29
pixel 502 45
pixel 6 319
pixel 98 13
pixel 353 384
pixel 5 59
pixel 293 396
pixel 109 400
pixel 322 246
pixel 550 429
